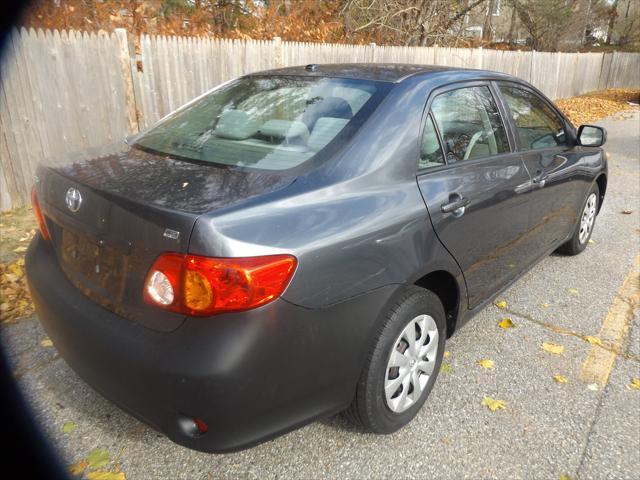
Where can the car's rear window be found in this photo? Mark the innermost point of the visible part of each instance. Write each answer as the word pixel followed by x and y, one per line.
pixel 267 123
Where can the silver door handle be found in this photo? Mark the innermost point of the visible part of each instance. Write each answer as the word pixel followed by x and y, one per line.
pixel 540 179
pixel 456 206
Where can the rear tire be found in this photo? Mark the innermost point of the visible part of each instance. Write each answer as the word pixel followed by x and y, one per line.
pixel 584 228
pixel 403 365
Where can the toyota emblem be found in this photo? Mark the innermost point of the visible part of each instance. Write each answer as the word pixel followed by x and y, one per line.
pixel 73 199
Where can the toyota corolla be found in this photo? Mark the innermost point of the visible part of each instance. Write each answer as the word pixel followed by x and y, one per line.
pixel 300 242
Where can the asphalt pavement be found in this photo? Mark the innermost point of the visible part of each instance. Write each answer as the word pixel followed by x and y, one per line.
pixel 586 428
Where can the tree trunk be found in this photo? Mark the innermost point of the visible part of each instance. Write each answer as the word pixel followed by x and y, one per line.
pixel 512 25
pixel 487 34
pixel 612 20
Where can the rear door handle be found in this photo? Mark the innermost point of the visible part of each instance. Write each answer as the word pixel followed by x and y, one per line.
pixel 540 179
pixel 456 205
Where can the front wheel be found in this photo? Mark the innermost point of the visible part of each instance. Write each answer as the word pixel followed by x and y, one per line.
pixel 580 238
pixel 402 367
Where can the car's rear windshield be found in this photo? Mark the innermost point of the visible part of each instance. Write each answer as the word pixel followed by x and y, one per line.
pixel 267 123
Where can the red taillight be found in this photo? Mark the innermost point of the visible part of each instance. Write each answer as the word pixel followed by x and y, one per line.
pixel 38 212
pixel 202 286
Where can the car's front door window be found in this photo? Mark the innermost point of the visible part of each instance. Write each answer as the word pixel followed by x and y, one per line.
pixel 538 126
pixel 469 123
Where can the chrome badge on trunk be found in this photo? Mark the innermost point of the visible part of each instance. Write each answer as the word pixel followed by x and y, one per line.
pixel 73 199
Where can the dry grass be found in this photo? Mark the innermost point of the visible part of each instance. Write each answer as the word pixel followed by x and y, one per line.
pixel 594 106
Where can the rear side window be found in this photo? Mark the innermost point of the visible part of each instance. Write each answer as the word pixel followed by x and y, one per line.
pixel 538 126
pixel 469 123
pixel 267 123
pixel 430 151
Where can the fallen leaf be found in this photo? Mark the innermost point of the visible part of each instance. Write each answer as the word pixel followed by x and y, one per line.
pixel 68 427
pixel 447 353
pixel 46 342
pixel 591 241
pixel 593 340
pixel 97 458
pixel 573 291
pixel 593 106
pixel 104 475
pixel 627 212
pixel 493 404
pixel 506 323
pixel 552 348
pixel 502 304
pixel 20 250
pixel 635 383
pixel 565 477
pixel 445 368
pixel 546 305
pixel 485 363
pixel 560 378
pixel 78 467
pixel 593 386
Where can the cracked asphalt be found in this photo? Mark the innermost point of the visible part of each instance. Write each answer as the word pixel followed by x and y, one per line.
pixel 582 429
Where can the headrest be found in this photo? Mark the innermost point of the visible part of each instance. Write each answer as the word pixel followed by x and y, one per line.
pixel 235 125
pixel 284 129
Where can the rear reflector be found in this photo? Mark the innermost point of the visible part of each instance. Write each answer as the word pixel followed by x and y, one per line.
pixel 203 286
pixel 38 212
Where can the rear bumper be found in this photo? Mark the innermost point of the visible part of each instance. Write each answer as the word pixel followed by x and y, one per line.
pixel 250 376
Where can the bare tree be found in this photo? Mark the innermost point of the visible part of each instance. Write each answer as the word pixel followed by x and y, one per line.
pixel 408 22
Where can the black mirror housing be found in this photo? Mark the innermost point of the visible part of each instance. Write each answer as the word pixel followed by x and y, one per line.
pixel 591 136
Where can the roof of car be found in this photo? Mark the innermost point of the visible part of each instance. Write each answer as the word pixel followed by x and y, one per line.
pixel 386 72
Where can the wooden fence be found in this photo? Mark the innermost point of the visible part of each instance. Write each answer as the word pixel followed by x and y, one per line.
pixel 69 95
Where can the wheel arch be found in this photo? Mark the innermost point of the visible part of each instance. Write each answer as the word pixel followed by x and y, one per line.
pixel 445 286
pixel 601 181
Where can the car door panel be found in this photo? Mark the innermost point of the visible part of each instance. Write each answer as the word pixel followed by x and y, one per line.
pixel 478 206
pixel 488 239
pixel 543 139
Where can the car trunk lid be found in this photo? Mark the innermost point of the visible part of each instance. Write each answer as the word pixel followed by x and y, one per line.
pixel 134 206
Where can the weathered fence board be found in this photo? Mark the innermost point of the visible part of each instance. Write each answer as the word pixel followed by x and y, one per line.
pixel 67 95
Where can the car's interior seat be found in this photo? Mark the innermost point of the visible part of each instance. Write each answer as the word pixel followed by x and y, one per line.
pixel 325 130
pixel 333 107
pixel 235 125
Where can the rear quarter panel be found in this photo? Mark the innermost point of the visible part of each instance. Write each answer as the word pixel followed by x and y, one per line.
pixel 356 223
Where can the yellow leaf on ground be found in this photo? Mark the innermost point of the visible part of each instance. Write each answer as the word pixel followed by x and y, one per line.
pixel 97 458
pixel 78 467
pixel 635 383
pixel 502 304
pixel 560 378
pixel 104 475
pixel 593 340
pixel 552 348
pixel 46 342
pixel 20 250
pixel 573 291
pixel 485 363
pixel 506 323
pixel 68 427
pixel 591 241
pixel 546 305
pixel 445 368
pixel 565 477
pixel 447 353
pixel 493 404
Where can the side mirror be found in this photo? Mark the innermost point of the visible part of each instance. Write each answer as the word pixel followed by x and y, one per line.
pixel 591 136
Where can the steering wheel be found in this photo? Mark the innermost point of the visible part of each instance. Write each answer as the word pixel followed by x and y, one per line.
pixel 472 143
